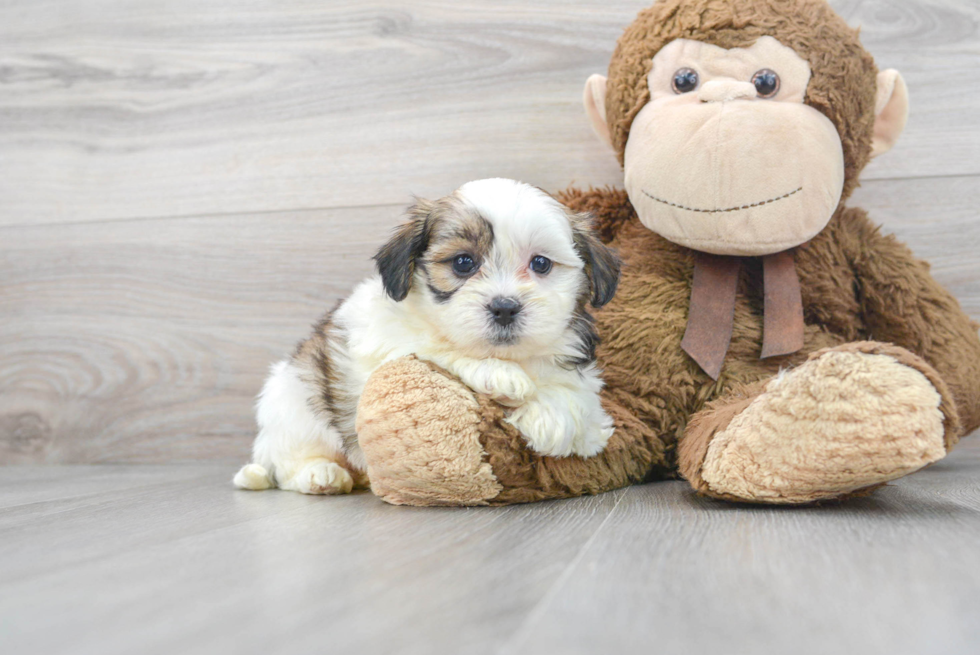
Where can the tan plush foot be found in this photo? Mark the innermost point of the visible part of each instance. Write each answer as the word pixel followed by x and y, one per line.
pixel 845 420
pixel 420 433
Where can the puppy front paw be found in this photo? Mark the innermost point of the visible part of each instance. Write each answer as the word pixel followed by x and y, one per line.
pixel 549 430
pixel 545 431
pixel 558 429
pixel 505 382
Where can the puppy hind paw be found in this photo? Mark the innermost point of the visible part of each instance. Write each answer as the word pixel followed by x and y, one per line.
pixel 253 477
pixel 321 478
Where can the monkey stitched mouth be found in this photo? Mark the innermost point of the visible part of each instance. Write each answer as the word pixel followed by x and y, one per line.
pixel 721 211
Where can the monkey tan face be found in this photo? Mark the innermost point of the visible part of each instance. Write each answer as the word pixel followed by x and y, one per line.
pixel 726 157
pixel 715 165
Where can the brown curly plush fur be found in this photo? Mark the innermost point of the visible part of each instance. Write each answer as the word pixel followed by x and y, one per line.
pixel 862 292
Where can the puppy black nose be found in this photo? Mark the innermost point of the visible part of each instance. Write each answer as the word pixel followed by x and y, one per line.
pixel 504 310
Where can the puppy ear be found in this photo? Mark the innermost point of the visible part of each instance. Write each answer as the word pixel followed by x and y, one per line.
pixel 396 260
pixel 601 262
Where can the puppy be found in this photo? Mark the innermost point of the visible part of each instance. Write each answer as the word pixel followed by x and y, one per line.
pixel 491 283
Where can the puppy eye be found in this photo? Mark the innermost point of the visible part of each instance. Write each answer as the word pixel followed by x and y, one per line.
pixel 766 83
pixel 463 264
pixel 540 265
pixel 685 80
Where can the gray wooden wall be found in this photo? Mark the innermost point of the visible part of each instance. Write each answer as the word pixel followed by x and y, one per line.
pixel 185 185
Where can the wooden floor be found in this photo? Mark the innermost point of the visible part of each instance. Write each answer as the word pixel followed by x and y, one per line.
pixel 185 185
pixel 152 559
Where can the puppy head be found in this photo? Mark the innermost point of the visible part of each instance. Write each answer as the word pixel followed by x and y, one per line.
pixel 501 269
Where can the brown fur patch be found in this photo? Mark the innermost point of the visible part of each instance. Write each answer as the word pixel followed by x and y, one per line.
pixel 602 265
pixel 312 355
pixel 609 208
pixel 456 230
pixel 333 403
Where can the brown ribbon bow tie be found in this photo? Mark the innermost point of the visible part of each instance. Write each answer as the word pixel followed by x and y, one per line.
pixel 712 313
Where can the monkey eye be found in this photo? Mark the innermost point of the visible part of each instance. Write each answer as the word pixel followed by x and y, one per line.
pixel 464 265
pixel 685 80
pixel 766 83
pixel 540 264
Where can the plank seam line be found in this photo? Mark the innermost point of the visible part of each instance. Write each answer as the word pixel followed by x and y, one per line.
pixel 224 215
pixel 325 208
pixel 542 605
pixel 906 178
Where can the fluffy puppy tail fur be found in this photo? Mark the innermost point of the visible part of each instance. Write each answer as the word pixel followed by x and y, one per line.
pixel 254 477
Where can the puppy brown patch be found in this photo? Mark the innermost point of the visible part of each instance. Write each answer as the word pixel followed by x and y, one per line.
pixel 583 327
pixel 333 402
pixel 397 259
pixel 602 264
pixel 455 230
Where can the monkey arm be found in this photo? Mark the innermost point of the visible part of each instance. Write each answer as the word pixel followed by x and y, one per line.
pixel 430 440
pixel 901 303
pixel 610 208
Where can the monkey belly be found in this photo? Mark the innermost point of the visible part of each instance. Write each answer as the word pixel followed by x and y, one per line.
pixel 645 369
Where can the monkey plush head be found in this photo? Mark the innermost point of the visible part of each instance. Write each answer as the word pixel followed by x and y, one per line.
pixel 742 125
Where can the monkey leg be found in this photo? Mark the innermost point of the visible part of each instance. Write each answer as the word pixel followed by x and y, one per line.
pixel 848 419
pixel 430 440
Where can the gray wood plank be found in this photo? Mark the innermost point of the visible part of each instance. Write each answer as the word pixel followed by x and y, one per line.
pixel 28 487
pixel 202 568
pixel 112 110
pixel 146 341
pixel 191 565
pixel 893 573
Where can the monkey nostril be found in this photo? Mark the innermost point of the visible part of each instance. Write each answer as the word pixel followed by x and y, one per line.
pixel 503 310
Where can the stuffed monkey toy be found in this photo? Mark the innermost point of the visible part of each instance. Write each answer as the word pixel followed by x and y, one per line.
pixel 767 343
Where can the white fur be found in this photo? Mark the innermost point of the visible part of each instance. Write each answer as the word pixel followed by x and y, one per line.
pixel 556 408
pixel 295 449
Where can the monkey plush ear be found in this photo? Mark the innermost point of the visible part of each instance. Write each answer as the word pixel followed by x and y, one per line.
pixel 601 262
pixel 396 259
pixel 891 111
pixel 594 98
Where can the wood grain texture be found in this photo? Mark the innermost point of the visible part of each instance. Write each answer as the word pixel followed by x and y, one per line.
pixel 147 340
pixel 194 566
pixel 114 110
pixel 892 573
pixel 121 559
